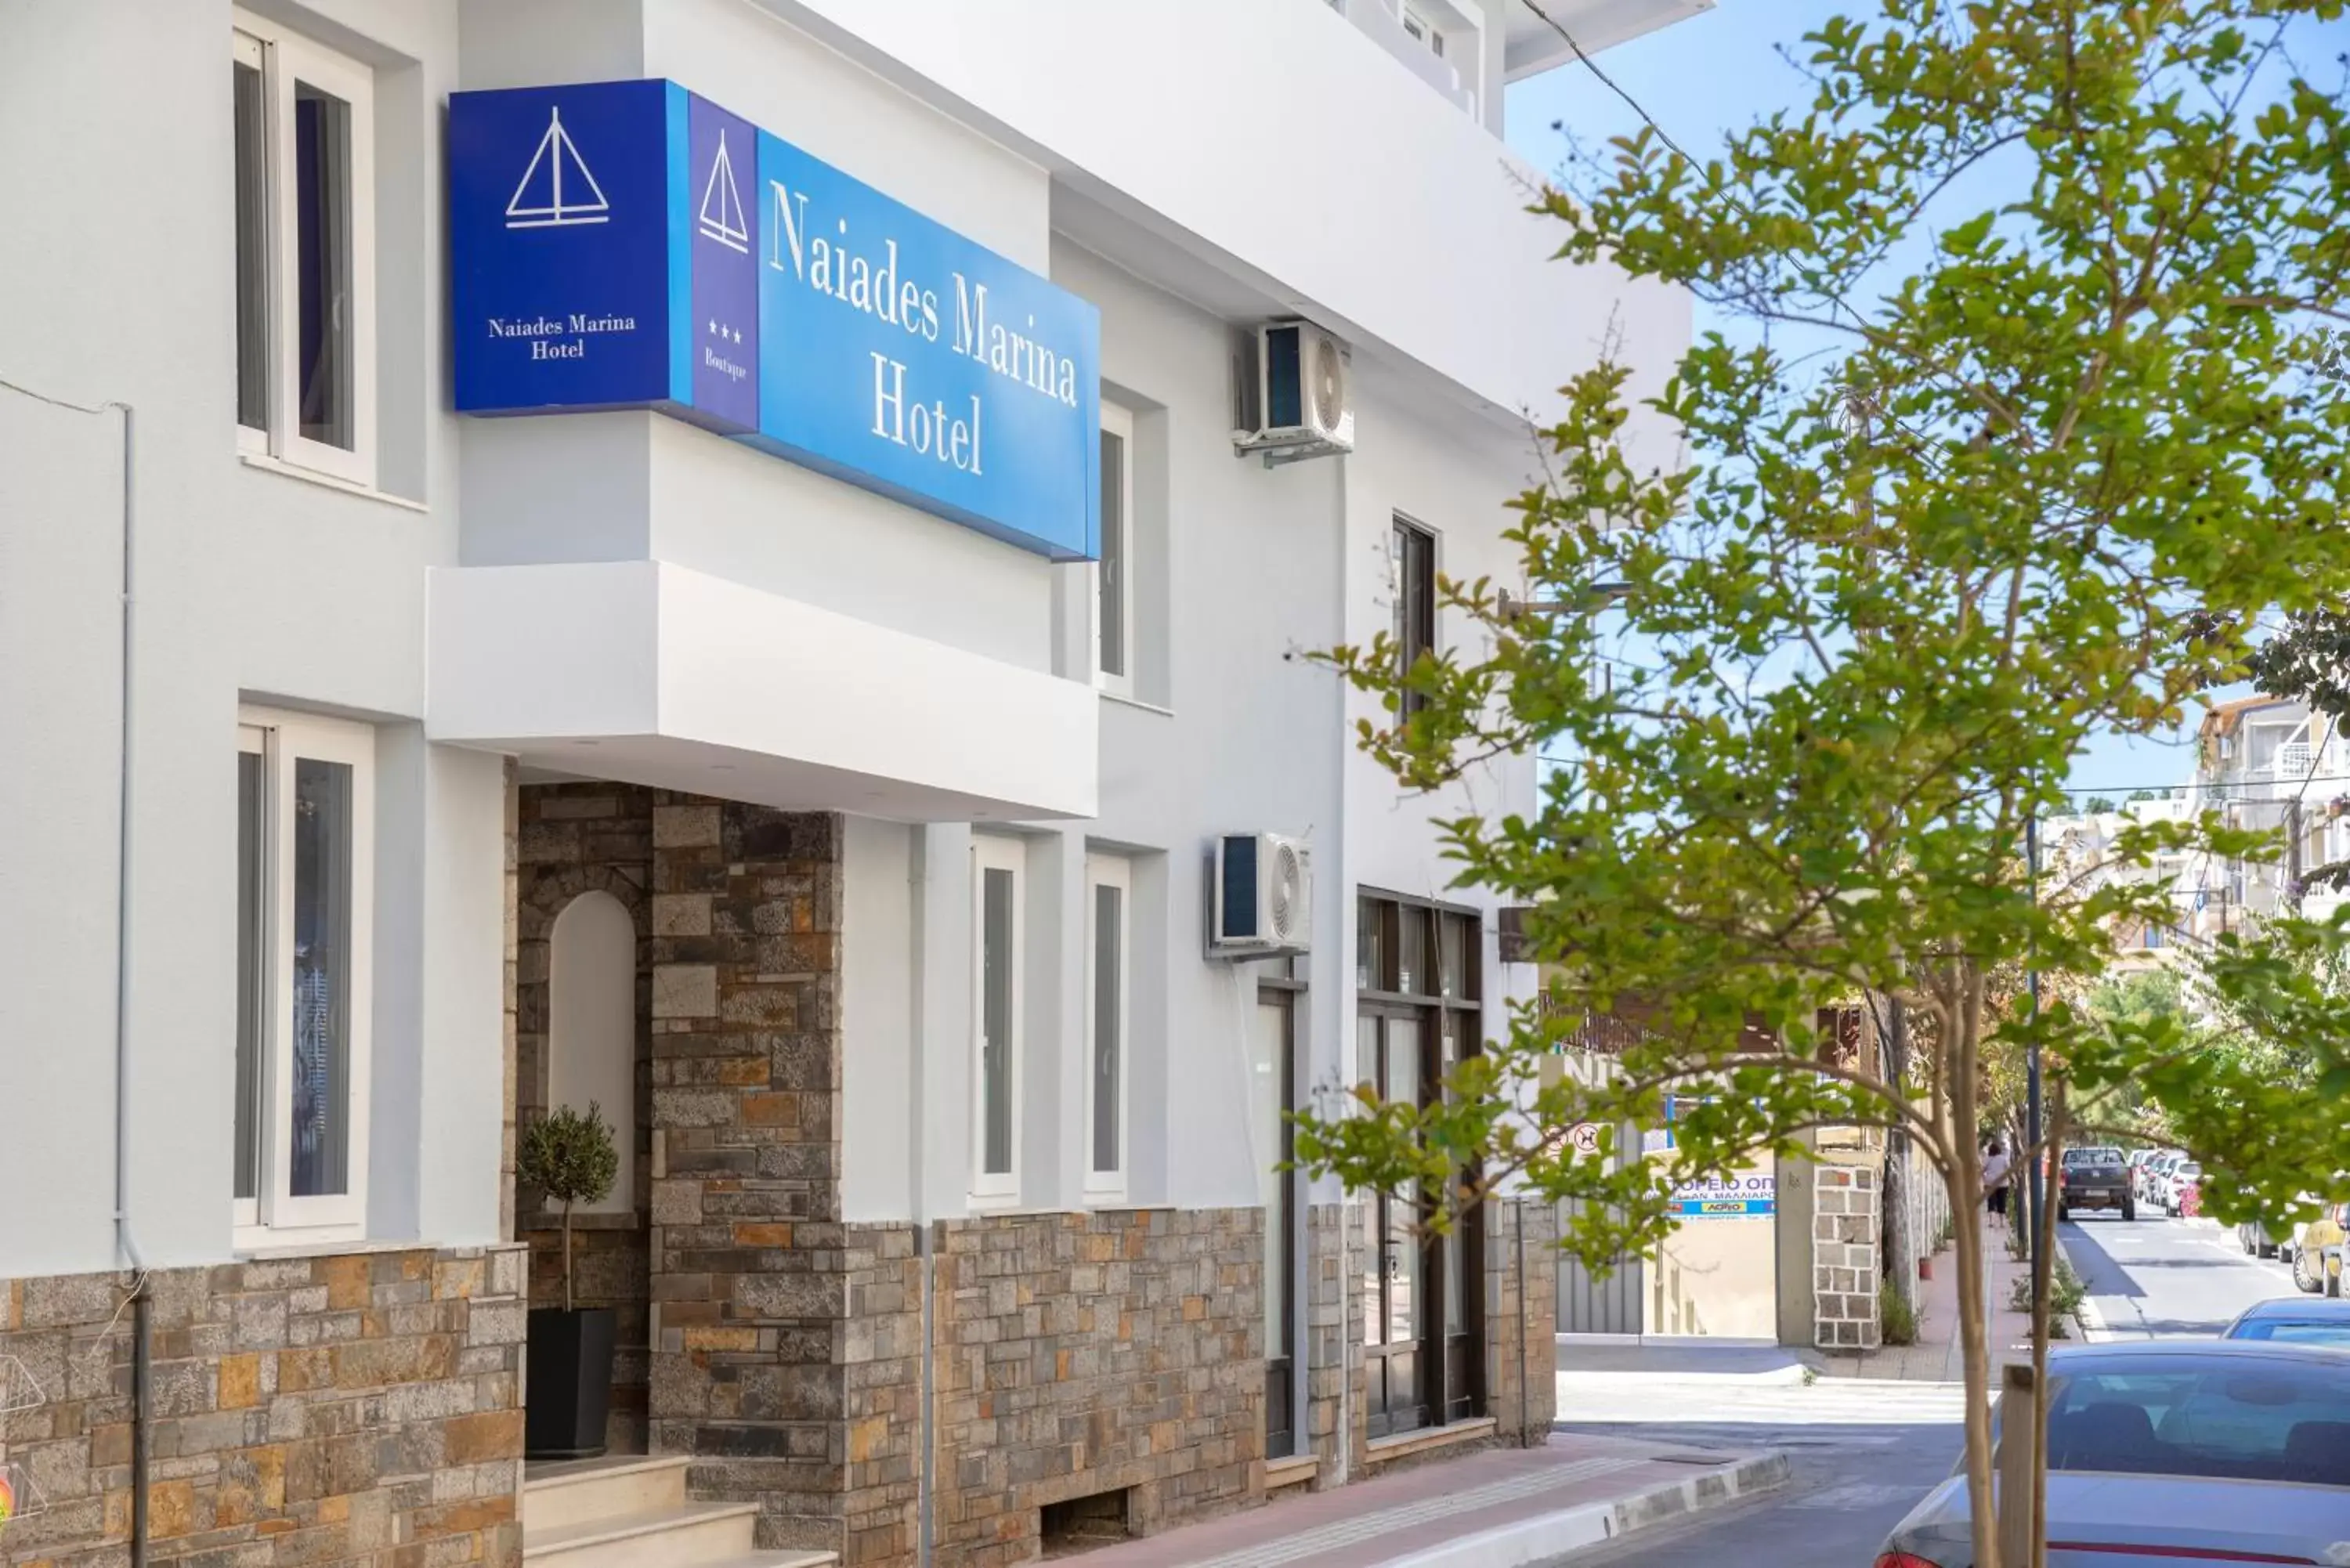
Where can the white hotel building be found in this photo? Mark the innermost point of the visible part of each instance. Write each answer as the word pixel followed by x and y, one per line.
pixel 379 776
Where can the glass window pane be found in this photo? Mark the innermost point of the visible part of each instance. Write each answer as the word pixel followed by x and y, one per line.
pixel 252 249
pixel 322 265
pixel 1369 965
pixel 1403 1263
pixel 1453 933
pixel 995 1020
pixel 251 860
pixel 1374 1249
pixel 1272 1070
pixel 1109 987
pixel 321 1089
pixel 1411 950
pixel 1113 553
pixel 1455 1247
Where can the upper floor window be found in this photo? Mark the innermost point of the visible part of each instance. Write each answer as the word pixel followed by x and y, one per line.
pixel 305 216
pixel 1114 609
pixel 1413 563
pixel 305 896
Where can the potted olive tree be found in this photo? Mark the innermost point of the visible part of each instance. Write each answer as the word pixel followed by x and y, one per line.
pixel 571 1158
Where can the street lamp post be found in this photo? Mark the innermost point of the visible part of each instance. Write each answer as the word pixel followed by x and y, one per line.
pixel 2035 1194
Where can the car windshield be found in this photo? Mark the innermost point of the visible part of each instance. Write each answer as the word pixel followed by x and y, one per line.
pixel 2186 1170
pixel 2284 1330
pixel 2285 1422
pixel 2092 1157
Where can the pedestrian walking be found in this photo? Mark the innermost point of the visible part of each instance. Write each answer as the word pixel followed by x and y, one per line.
pixel 1995 1175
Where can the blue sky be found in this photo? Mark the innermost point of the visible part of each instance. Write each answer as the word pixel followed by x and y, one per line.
pixel 1718 71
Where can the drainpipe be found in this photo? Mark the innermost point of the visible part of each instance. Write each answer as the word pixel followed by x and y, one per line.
pixel 125 1245
pixel 924 1260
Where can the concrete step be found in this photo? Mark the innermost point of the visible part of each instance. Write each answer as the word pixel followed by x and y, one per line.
pixel 781 1560
pixel 579 1491
pixel 694 1535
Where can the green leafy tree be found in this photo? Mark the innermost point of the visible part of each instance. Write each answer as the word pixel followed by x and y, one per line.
pixel 2097 804
pixel 2058 466
pixel 569 1157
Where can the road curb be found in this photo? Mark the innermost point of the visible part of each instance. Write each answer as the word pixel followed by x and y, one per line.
pixel 2086 1317
pixel 1549 1536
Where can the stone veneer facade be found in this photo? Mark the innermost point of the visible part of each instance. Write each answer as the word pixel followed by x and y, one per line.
pixel 749 1260
pixel 365 1406
pixel 1845 1268
pixel 1110 1351
pixel 1520 1325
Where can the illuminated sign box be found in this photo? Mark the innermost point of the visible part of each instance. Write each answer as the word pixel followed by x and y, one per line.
pixel 629 244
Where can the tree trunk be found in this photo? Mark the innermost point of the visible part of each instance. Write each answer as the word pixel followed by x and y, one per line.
pixel 567 1254
pixel 2044 1274
pixel 1974 1349
pixel 1963 1023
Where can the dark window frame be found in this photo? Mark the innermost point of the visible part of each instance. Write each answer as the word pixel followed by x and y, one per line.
pixel 1413 546
pixel 1443 1376
pixel 1286 991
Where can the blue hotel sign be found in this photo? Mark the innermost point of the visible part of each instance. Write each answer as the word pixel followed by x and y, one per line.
pixel 629 244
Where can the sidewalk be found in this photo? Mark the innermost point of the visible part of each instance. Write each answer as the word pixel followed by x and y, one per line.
pixel 1502 1509
pixel 1936 1357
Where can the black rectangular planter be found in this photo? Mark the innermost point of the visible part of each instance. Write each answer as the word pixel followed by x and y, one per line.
pixel 570 1383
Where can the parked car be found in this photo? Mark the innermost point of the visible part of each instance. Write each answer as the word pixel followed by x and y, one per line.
pixel 2150 1174
pixel 2263 1424
pixel 2317 1251
pixel 2187 1192
pixel 2178 1182
pixel 2096 1178
pixel 2256 1238
pixel 2290 1320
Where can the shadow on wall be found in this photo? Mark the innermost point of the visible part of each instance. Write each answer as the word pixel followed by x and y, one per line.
pixel 1717 1277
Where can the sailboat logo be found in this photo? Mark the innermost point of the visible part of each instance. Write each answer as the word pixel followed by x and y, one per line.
pixel 722 203
pixel 542 200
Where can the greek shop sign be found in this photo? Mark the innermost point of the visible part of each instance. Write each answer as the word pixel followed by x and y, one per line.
pixel 629 244
pixel 1727 1197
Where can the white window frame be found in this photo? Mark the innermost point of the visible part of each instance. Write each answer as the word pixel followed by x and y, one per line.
pixel 275 1216
pixel 1109 871
pixel 992 853
pixel 1119 422
pixel 285 57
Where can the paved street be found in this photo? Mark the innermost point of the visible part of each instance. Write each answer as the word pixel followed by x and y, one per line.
pixel 2158 1279
pixel 1864 1451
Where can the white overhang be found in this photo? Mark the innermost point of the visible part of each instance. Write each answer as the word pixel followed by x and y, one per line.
pixel 650 673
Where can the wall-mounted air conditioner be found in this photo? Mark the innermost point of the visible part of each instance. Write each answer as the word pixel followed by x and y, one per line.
pixel 1262 900
pixel 1294 393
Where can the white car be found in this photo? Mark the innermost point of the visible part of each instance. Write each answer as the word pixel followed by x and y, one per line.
pixel 2181 1175
pixel 2150 1174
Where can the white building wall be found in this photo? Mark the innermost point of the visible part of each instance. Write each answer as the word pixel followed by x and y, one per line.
pixel 1318 171
pixel 115 155
pixel 260 587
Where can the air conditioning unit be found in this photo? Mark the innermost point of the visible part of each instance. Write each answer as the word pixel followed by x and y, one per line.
pixel 1263 901
pixel 1296 399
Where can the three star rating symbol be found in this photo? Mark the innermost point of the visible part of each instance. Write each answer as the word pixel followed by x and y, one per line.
pixel 725 334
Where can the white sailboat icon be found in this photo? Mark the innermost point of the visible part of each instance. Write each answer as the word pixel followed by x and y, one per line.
pixel 722 203
pixel 538 202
